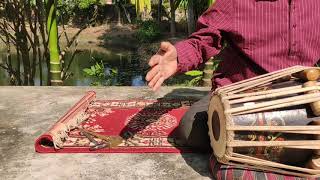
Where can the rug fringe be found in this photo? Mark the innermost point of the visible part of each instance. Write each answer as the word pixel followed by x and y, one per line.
pixel 64 128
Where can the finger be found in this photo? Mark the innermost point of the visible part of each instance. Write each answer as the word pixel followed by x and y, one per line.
pixel 158 84
pixel 150 75
pixel 165 46
pixel 154 60
pixel 154 80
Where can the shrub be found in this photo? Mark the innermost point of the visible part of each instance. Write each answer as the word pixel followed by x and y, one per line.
pixel 96 70
pixel 101 75
pixel 148 31
pixel 84 4
pixel 196 77
pixel 78 11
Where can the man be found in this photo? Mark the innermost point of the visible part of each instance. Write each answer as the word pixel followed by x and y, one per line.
pixel 262 36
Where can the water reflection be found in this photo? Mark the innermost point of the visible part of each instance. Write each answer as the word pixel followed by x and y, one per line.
pixel 107 71
pixel 129 73
pixel 137 81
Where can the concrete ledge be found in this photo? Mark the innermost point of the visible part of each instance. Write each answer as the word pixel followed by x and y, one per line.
pixel 26 112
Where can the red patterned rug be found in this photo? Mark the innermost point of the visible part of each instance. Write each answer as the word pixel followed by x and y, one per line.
pixel 110 126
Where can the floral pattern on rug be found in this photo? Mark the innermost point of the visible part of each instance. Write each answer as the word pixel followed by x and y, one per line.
pixel 150 123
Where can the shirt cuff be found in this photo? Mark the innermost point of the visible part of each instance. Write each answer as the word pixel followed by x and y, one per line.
pixel 184 52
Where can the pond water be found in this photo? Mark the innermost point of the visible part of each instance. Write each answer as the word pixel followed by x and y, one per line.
pixel 126 64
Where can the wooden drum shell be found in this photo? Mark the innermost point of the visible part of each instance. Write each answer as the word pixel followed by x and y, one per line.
pixel 291 103
pixel 221 136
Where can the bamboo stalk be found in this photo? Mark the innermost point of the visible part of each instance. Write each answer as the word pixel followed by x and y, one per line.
pixel 238 143
pixel 278 106
pixel 274 170
pixel 305 147
pixel 259 80
pixel 303 132
pixel 235 96
pixel 257 161
pixel 301 99
pixel 273 95
pixel 273 128
pixel 272 166
pixel 262 82
pixel 55 69
pixel 260 77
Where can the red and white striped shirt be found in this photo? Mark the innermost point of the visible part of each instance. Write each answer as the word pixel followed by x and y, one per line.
pixel 263 36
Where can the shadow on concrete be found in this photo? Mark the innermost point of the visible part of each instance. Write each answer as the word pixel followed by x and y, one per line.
pixel 198 159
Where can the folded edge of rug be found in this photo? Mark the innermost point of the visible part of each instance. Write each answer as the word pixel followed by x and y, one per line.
pixel 52 140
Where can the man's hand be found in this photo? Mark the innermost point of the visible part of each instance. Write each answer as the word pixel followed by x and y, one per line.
pixel 164 64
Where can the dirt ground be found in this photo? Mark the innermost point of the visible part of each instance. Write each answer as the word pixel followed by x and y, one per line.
pixel 96 36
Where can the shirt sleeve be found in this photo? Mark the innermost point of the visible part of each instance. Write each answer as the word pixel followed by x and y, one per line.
pixel 206 41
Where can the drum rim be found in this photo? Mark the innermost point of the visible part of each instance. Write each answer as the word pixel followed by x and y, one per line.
pixel 219 146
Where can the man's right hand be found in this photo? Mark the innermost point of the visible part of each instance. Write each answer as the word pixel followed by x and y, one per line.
pixel 163 65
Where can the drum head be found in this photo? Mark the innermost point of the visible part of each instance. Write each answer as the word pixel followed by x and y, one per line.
pixel 217 126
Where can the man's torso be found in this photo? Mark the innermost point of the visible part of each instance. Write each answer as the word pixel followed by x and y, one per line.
pixel 268 35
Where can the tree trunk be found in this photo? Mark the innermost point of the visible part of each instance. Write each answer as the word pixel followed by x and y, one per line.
pixel 55 68
pixel 40 65
pixel 9 63
pixel 37 39
pixel 34 52
pixel 45 55
pixel 173 19
pixel 126 13
pixel 191 18
pixel 18 67
pixel 159 18
pixel 8 55
pixel 25 52
pixel 17 32
pixel 119 14
pixel 28 17
pixel 26 60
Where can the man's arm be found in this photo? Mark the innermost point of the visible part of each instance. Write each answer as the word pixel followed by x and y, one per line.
pixel 206 41
pixel 198 48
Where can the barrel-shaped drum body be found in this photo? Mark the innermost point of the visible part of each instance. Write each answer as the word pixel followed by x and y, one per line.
pixel 267 123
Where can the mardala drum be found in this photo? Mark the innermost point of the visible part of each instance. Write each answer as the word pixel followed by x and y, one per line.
pixel 269 122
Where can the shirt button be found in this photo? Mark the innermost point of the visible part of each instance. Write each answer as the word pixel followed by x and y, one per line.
pixel 294 26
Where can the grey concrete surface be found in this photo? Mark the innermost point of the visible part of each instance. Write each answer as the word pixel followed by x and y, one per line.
pixel 27 112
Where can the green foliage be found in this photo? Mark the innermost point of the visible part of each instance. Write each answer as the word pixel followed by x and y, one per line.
pixel 66 7
pixel 194 73
pixel 210 2
pixel 190 78
pixel 32 2
pixel 97 73
pixel 96 70
pixel 199 5
pixel 84 4
pixel 216 63
pixel 70 5
pixel 67 4
pixel 76 10
pixel 195 81
pixel 148 31
pixel 196 78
